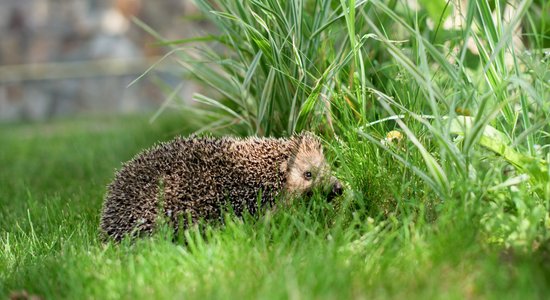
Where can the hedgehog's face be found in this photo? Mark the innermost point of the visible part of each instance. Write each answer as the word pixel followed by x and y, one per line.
pixel 307 168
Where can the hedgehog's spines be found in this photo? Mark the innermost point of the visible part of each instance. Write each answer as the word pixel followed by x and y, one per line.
pixel 196 173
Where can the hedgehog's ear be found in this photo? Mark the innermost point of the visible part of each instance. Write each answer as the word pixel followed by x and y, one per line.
pixel 306 134
pixel 311 140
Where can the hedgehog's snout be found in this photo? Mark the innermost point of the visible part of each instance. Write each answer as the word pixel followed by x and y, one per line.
pixel 336 189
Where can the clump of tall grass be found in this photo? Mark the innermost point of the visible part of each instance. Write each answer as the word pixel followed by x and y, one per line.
pixel 454 80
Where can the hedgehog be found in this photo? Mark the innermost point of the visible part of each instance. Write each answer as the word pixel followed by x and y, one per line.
pixel 190 179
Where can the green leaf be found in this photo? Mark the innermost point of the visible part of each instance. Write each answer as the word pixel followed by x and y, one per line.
pixel 499 143
pixel 437 9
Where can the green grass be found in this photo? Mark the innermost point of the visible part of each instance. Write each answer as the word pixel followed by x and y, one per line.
pixel 457 208
pixel 54 176
pixel 470 101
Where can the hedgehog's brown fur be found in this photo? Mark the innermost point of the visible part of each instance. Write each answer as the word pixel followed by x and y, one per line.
pixel 197 177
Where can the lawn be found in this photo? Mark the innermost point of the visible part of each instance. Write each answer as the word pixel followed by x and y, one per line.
pixel 53 180
pixel 435 118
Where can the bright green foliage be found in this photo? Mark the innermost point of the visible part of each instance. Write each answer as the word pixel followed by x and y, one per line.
pixel 334 67
pixel 437 125
pixel 438 10
pixel 381 241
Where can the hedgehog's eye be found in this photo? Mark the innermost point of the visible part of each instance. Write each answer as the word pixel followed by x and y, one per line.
pixel 307 175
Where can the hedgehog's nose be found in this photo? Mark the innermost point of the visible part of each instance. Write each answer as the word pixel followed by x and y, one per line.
pixel 337 188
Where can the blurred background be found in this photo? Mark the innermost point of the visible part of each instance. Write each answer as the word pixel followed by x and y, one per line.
pixel 67 57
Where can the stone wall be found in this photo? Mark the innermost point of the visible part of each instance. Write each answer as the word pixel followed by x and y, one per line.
pixel 61 57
